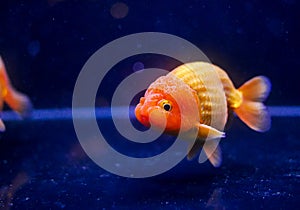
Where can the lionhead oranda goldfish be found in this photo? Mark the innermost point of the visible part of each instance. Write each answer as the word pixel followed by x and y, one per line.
pixel 216 98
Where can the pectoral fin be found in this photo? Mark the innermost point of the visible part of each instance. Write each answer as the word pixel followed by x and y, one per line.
pixel 208 132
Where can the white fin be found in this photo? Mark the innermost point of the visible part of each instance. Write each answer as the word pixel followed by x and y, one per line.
pixel 212 133
pixel 2 126
pixel 213 152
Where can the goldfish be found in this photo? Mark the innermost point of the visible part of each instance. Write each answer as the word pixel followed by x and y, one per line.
pixel 216 99
pixel 17 101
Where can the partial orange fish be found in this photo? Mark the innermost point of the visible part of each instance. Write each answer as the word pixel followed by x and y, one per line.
pixel 216 98
pixel 15 100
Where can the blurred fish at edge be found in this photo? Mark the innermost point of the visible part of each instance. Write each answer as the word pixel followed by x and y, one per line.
pixel 17 101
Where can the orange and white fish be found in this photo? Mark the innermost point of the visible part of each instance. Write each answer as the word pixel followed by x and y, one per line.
pixel 15 100
pixel 216 99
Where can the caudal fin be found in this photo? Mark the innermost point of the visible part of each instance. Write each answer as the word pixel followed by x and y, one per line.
pixel 19 102
pixel 252 111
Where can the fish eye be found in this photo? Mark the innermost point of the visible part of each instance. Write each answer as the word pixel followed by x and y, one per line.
pixel 166 105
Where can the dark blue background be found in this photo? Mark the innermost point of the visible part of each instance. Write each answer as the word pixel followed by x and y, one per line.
pixel 45 44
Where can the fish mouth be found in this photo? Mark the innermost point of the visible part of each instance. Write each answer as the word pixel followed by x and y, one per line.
pixel 141 116
pixel 145 121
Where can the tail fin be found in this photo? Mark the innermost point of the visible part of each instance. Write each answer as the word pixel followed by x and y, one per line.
pixel 16 100
pixel 252 111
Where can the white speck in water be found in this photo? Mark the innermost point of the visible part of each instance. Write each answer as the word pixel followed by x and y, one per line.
pixel 5 161
pixel 277 193
pixel 104 175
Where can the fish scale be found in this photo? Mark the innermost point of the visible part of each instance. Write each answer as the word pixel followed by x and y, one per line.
pixel 195 82
pixel 206 82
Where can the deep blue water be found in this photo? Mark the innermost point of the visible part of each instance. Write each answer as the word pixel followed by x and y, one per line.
pixel 50 170
pixel 45 44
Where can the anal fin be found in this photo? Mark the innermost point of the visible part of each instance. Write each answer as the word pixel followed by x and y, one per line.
pixel 195 148
pixel 208 139
pixel 213 153
pixel 2 126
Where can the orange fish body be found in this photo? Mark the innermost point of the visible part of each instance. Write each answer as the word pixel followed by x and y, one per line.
pixel 15 100
pixel 215 96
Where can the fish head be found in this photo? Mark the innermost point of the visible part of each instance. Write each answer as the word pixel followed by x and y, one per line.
pixel 168 104
pixel 158 109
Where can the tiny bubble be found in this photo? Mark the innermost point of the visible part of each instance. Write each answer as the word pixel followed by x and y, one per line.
pixel 119 10
pixel 137 66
